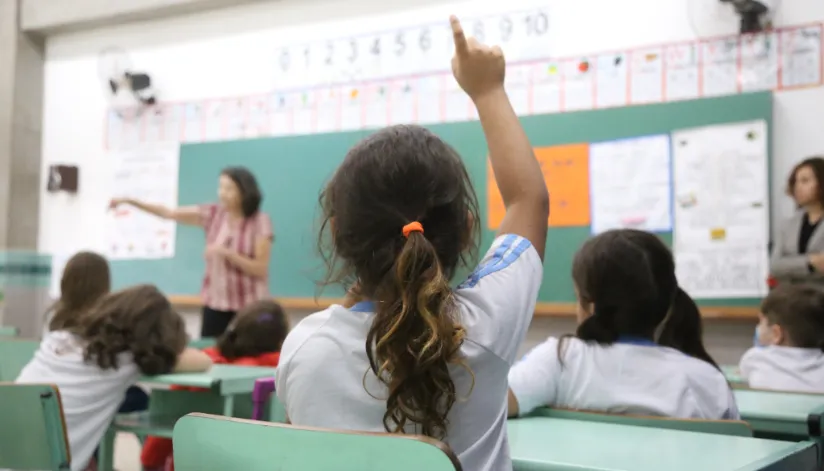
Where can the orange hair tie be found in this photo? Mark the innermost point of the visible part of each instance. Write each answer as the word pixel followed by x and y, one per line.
pixel 413 226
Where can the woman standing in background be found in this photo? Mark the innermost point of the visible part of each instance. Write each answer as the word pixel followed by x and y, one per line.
pixel 238 246
pixel 798 251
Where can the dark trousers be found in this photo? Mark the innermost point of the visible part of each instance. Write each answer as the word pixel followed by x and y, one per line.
pixel 215 322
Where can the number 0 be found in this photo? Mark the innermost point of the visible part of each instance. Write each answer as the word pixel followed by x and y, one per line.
pixel 537 23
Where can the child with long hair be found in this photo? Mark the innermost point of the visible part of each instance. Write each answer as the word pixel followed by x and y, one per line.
pixel 638 346
pixel 791 337
pixel 254 338
pixel 411 354
pixel 126 335
pixel 85 279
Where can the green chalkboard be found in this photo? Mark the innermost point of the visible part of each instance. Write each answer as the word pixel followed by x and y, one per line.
pixel 291 171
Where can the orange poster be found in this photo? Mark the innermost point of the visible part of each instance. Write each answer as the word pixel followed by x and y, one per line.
pixel 566 172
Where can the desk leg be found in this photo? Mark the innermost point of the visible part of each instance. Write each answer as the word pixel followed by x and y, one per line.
pixel 229 405
pixel 105 457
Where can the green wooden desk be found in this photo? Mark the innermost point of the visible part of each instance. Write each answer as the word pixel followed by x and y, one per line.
pixel 733 375
pixel 543 444
pixel 793 414
pixel 226 383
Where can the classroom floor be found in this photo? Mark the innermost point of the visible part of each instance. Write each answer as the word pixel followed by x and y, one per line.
pixel 126 453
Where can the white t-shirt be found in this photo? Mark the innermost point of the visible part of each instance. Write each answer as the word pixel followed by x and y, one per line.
pixel 323 364
pixel 90 395
pixel 624 378
pixel 784 368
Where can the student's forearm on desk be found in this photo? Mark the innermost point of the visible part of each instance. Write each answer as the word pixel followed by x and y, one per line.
pixel 192 360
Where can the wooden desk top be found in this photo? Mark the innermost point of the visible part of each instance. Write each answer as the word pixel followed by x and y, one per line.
pixel 739 313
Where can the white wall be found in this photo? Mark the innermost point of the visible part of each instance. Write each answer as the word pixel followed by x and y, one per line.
pixel 231 52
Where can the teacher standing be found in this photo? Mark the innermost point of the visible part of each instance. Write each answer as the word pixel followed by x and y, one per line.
pixel 798 250
pixel 238 246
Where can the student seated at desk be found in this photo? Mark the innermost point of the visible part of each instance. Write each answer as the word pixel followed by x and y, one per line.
pixel 86 278
pixel 637 349
pixel 413 355
pixel 128 334
pixel 253 338
pixel 791 338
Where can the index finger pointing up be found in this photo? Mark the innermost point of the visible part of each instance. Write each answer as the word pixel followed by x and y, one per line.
pixel 461 45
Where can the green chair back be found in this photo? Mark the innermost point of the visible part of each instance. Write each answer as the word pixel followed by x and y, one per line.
pixel 32 429
pixel 8 331
pixel 14 354
pixel 210 442
pixel 735 428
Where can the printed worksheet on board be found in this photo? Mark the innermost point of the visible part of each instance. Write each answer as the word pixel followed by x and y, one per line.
pixel 721 194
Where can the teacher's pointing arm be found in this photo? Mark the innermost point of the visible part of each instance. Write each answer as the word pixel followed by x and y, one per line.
pixel 190 215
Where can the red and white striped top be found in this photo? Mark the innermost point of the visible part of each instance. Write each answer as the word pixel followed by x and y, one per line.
pixel 226 287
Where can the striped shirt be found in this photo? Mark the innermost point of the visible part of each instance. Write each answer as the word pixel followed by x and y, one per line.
pixel 226 287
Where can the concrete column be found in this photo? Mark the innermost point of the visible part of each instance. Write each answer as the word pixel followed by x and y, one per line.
pixel 21 108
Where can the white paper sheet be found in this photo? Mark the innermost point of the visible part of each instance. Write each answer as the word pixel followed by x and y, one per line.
pixel 801 57
pixel 722 206
pixel 759 61
pixel 682 72
pixel 630 184
pixel 546 88
pixel 612 75
pixel 146 173
pixel 720 58
pixel 578 85
pixel 647 76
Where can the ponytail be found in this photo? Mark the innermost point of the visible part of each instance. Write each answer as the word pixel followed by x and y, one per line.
pixel 414 337
pixel 682 328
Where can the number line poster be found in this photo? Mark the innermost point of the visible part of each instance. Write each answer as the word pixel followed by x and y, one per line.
pixel 402 77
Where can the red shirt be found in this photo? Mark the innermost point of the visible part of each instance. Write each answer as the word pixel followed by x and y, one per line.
pixel 225 286
pixel 267 359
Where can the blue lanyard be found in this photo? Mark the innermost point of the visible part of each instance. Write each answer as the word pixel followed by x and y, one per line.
pixel 363 306
pixel 632 340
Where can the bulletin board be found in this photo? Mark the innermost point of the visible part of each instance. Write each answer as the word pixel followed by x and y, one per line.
pixel 293 169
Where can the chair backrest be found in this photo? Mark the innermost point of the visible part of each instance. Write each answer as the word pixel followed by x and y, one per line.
pixel 211 442
pixel 736 428
pixel 33 430
pixel 14 354
pixel 8 331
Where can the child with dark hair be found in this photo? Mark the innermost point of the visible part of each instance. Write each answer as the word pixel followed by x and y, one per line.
pixel 407 353
pixel 253 339
pixel 638 347
pixel 791 337
pixel 128 334
pixel 85 279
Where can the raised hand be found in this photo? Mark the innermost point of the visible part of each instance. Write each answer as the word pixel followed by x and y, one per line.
pixel 479 69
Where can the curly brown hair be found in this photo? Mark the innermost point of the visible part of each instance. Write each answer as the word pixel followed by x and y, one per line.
pixel 259 328
pixel 139 321
pixel 84 281
pixel 393 177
